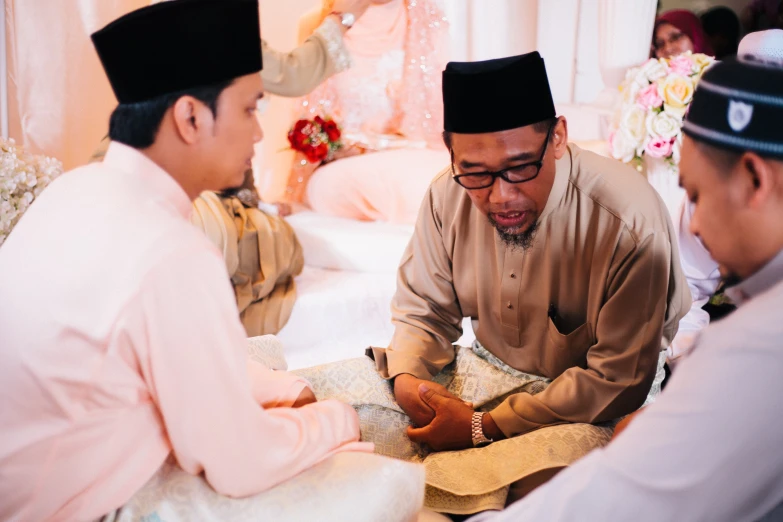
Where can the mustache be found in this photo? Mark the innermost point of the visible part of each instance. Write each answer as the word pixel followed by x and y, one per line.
pixel 507 209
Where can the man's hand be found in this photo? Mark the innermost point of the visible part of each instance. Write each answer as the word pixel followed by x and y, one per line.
pixel 450 428
pixel 306 397
pixel 283 209
pixel 406 391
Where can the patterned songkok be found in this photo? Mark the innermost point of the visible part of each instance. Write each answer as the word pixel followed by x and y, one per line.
pixel 738 105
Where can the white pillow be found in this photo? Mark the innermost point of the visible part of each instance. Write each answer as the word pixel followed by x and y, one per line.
pixel 347 487
pixel 345 244
pixel 380 186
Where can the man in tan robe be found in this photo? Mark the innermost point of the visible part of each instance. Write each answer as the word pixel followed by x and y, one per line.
pixel 261 252
pixel 566 262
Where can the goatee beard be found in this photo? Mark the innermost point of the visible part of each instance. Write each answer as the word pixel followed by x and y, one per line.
pixel 520 240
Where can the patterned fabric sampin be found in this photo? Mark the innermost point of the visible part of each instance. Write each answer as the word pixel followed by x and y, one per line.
pixel 471 480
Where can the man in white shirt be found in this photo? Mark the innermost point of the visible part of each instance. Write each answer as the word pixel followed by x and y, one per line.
pixel 709 448
pixel 700 269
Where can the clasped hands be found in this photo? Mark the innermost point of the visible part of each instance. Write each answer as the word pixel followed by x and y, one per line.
pixel 440 420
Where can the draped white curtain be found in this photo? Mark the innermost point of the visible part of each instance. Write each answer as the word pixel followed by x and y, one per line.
pixel 3 76
pixel 485 29
pixel 59 101
pixel 587 44
pixel 625 32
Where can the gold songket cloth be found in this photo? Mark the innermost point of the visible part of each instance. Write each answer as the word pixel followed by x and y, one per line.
pixel 262 256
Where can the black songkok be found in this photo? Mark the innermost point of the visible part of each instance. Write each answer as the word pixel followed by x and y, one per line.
pixel 739 106
pixel 178 45
pixel 496 95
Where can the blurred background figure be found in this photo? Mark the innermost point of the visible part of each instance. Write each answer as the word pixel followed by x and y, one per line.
pixel 389 107
pixel 762 14
pixel 722 27
pixel 679 31
pixel 763 46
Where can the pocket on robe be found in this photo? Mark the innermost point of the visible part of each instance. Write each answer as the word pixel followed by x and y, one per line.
pixel 567 350
pixel 579 336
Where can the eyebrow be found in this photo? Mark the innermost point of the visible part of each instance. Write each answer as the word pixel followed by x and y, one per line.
pixel 513 159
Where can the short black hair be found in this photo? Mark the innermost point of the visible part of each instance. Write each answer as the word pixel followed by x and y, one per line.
pixel 721 20
pixel 541 127
pixel 137 124
pixel 722 26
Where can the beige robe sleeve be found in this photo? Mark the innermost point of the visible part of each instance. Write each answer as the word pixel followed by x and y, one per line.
pixel 426 315
pixel 621 365
pixel 300 71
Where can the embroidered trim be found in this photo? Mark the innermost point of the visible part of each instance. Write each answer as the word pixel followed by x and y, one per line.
pixel 753 97
pixel 768 147
pixel 331 32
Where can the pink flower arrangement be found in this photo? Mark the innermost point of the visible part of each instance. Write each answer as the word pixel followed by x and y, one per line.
pixel 659 147
pixel 682 65
pixel 656 97
pixel 649 97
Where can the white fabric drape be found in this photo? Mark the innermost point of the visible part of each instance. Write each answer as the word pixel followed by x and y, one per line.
pixel 59 100
pixel 485 29
pixel 3 76
pixel 58 96
pixel 625 31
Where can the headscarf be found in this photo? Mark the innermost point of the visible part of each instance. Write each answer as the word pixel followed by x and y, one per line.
pixel 690 25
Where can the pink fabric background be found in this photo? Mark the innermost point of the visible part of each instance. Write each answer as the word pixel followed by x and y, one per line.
pixel 59 99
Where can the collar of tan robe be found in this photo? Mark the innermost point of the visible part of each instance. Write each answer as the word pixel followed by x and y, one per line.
pixel 562 176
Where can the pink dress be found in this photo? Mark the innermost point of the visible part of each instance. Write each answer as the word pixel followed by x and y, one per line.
pixel 389 102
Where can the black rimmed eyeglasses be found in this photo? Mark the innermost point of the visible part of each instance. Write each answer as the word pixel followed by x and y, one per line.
pixel 516 174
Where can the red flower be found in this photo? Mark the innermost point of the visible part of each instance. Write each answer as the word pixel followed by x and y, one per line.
pixel 300 125
pixel 322 151
pixel 314 138
pixel 296 140
pixel 297 136
pixel 332 130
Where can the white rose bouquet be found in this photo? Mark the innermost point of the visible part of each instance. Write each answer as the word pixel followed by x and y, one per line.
pixel 655 99
pixel 23 177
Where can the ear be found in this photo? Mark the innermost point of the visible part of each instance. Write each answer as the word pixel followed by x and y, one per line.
pixel 192 119
pixel 560 137
pixel 757 180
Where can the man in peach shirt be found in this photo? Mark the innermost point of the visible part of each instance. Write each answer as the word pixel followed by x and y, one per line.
pixel 120 341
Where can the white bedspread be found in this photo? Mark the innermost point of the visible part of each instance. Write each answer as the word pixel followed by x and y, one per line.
pixel 344 293
pixel 346 244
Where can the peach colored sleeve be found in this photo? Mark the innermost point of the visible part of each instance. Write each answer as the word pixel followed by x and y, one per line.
pixel 272 388
pixel 197 372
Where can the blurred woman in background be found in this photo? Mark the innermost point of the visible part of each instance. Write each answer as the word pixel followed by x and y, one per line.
pixel 679 31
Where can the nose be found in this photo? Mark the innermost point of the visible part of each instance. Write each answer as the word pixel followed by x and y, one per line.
pixel 694 224
pixel 502 192
pixel 258 132
pixel 669 49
